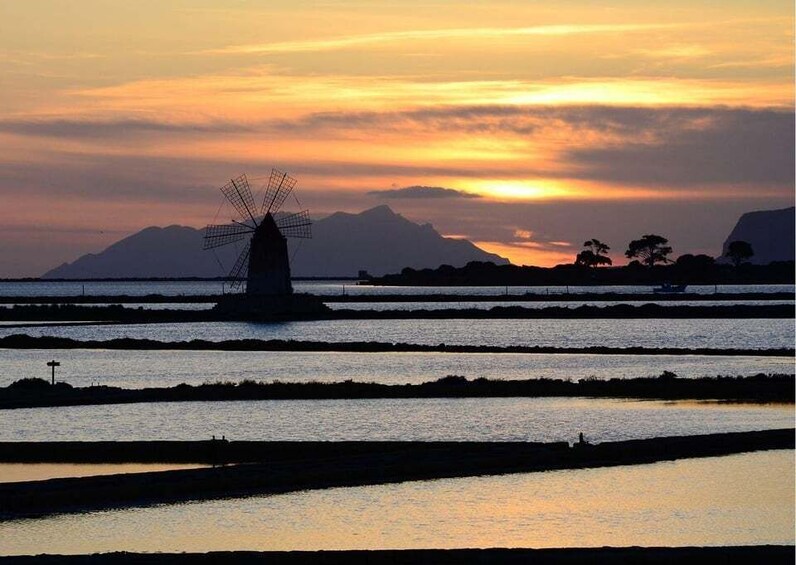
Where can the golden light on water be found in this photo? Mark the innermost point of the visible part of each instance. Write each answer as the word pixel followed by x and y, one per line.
pixel 677 503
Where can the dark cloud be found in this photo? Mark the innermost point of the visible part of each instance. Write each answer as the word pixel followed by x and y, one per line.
pixel 697 148
pixel 82 129
pixel 423 192
pixel 522 120
pixel 472 119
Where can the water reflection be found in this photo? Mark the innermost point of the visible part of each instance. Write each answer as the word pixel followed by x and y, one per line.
pixel 691 333
pixel 734 500
pixel 19 472
pixel 140 369
pixel 454 419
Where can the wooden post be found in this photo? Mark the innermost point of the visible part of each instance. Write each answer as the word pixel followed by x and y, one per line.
pixel 53 364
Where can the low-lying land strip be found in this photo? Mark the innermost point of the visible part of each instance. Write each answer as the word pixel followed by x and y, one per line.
pixel 21 341
pixel 310 465
pixel 120 314
pixel 477 273
pixel 770 554
pixel 30 393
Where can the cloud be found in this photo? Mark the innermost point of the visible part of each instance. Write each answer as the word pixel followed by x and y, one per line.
pixel 110 128
pixel 675 147
pixel 664 150
pixel 688 148
pixel 354 41
pixel 423 192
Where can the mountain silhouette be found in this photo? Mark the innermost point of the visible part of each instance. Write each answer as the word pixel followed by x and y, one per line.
pixel 377 240
pixel 770 232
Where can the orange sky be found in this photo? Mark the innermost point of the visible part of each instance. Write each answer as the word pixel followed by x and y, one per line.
pixel 118 115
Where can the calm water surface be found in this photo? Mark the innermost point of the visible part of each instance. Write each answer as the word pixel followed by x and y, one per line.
pixel 755 334
pixel 689 502
pixel 454 419
pixel 19 472
pixel 140 369
pixel 332 287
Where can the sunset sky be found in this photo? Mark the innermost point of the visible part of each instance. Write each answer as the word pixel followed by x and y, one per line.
pixel 551 122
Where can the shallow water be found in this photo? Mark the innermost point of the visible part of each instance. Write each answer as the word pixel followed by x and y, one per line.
pixel 334 287
pixel 453 419
pixel 753 334
pixel 140 369
pixel 691 502
pixel 19 472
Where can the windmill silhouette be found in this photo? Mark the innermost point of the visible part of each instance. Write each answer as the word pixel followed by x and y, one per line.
pixel 264 264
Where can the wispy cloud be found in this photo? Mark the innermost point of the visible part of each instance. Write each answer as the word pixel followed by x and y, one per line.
pixel 351 41
pixel 87 128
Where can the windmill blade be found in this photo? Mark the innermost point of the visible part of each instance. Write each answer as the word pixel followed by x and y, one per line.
pixel 296 225
pixel 218 235
pixel 279 186
pixel 238 273
pixel 240 196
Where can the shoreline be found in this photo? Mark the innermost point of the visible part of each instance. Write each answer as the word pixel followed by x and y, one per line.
pixel 116 313
pixel 773 554
pixel 525 297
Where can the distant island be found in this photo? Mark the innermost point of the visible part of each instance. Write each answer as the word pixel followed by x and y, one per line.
pixel 769 232
pixel 377 241
pixel 391 249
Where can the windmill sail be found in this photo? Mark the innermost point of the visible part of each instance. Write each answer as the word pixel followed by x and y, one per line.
pixel 218 235
pixel 240 196
pixel 241 266
pixel 280 185
pixel 296 225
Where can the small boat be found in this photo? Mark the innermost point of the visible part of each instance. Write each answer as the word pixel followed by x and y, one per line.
pixel 667 288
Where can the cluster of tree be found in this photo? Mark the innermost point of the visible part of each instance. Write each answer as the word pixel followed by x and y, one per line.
pixel 652 249
pixel 650 264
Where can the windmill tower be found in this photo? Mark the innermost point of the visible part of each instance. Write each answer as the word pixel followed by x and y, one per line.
pixel 263 266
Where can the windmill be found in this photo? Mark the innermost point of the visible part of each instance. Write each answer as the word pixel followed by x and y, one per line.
pixel 263 264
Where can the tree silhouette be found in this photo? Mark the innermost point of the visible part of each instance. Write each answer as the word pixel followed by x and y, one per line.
pixel 595 254
pixel 650 249
pixel 739 251
pixel 691 262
